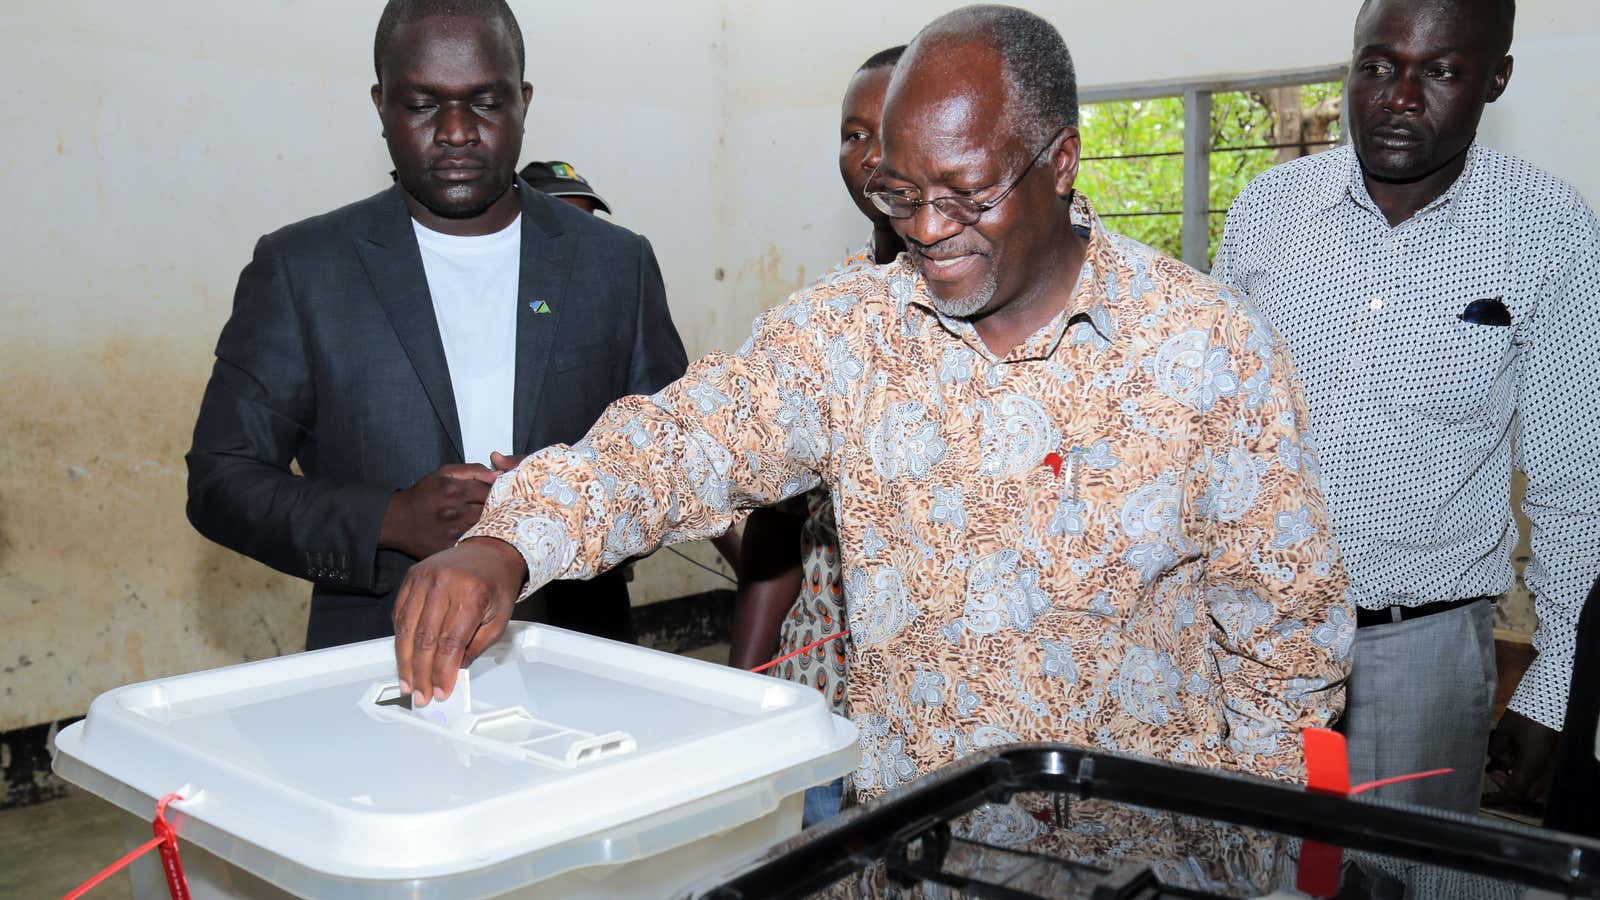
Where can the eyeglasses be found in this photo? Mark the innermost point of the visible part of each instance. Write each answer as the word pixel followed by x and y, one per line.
pixel 958 209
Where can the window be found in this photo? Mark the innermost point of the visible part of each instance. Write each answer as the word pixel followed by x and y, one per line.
pixel 1162 163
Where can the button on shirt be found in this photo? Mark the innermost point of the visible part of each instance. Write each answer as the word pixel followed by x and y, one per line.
pixel 1111 535
pixel 1418 414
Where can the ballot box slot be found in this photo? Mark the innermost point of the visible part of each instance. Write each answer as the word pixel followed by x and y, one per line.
pixel 391 696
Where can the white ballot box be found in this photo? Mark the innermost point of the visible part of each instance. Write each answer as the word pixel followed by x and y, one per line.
pixel 577 768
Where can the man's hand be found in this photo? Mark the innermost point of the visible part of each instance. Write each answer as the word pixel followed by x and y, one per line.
pixel 450 608
pixel 432 514
pixel 1520 755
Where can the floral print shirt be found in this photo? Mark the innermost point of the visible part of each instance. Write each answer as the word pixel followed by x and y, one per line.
pixel 819 610
pixel 1111 536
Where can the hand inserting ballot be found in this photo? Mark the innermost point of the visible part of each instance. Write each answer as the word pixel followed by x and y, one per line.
pixel 450 608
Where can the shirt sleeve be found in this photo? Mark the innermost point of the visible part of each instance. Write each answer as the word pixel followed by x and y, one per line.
pixel 734 433
pixel 1275 589
pixel 1228 267
pixel 1558 448
pixel 255 417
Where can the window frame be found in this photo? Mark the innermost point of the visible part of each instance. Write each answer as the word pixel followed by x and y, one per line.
pixel 1196 95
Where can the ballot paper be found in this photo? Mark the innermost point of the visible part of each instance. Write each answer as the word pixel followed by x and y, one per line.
pixel 452 709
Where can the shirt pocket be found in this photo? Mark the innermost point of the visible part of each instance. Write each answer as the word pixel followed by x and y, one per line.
pixel 1458 371
pixel 1061 533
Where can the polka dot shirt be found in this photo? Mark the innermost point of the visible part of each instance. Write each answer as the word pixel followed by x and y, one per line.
pixel 1420 408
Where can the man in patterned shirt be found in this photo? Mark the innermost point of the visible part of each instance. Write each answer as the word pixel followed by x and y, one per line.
pixel 1074 503
pixel 1440 300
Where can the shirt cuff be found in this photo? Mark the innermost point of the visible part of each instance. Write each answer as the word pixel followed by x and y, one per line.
pixel 1542 693
pixel 546 547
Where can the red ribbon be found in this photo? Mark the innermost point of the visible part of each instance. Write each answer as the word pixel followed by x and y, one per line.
pixel 166 839
pixel 811 646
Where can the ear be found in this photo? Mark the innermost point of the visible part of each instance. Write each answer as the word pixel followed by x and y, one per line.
pixel 527 98
pixel 377 99
pixel 1064 160
pixel 1498 82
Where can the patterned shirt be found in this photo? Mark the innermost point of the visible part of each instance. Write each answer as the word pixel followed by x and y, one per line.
pixel 819 609
pixel 1112 535
pixel 1414 409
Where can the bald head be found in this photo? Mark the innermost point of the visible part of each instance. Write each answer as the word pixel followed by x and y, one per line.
pixel 980 108
pixel 1027 52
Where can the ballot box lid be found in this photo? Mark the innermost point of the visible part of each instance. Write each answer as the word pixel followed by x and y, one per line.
pixel 573 751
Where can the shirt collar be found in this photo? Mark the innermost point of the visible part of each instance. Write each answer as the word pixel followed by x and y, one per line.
pixel 1339 184
pixel 1087 307
pixel 1466 201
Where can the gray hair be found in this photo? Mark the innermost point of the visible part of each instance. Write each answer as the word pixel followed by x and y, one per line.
pixel 1041 84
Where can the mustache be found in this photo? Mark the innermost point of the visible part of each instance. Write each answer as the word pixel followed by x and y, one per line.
pixel 947 249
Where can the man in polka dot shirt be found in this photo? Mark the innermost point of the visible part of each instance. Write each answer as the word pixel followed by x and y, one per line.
pixel 1442 305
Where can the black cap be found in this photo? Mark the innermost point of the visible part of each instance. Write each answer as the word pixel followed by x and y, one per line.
pixel 558 179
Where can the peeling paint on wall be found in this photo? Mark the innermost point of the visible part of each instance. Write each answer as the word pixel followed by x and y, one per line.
pixel 102 581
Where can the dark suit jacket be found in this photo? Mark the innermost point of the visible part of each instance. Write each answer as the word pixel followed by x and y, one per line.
pixel 332 358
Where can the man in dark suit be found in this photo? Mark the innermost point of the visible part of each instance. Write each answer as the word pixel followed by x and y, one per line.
pixel 392 346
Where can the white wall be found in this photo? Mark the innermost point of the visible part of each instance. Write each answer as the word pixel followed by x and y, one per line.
pixel 149 144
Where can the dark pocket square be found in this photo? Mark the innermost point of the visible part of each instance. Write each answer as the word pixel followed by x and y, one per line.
pixel 1488 311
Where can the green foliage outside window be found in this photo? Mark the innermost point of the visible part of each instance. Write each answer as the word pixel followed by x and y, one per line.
pixel 1140 196
pixel 1133 154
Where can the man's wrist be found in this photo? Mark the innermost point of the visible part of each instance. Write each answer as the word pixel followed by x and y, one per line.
pixel 510 569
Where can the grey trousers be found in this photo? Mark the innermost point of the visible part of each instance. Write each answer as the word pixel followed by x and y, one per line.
pixel 1420 696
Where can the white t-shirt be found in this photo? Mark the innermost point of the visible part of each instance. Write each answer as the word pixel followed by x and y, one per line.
pixel 473 281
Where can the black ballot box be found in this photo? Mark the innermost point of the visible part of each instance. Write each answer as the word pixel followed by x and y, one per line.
pixel 1056 821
